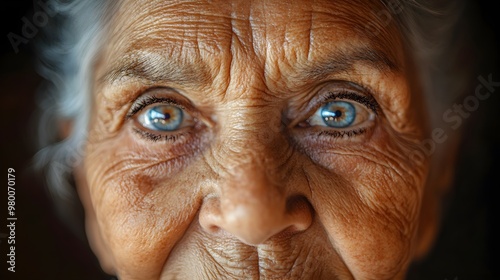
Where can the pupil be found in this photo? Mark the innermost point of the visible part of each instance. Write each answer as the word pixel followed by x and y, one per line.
pixel 338 114
pixel 164 118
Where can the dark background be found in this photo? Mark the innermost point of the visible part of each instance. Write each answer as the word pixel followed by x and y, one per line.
pixel 466 248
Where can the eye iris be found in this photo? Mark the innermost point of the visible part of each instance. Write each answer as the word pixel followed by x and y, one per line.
pixel 338 114
pixel 165 117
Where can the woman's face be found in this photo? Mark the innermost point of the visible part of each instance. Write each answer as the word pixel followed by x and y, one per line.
pixel 254 139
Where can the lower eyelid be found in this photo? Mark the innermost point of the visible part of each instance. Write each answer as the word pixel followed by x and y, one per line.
pixel 156 136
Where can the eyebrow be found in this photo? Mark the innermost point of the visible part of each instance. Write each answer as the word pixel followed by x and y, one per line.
pixel 344 60
pixel 154 67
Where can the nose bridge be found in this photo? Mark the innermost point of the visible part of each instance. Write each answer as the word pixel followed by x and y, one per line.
pixel 254 154
pixel 251 133
pixel 252 182
pixel 250 192
pixel 253 201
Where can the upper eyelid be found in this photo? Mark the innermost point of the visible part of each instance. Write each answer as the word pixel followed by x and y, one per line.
pixel 329 91
pixel 342 94
pixel 367 101
pixel 332 89
pixel 145 101
pixel 167 95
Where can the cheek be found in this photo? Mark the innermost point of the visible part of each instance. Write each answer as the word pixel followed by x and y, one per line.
pixel 141 209
pixel 368 200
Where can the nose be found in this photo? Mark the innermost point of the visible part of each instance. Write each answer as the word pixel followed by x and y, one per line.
pixel 254 208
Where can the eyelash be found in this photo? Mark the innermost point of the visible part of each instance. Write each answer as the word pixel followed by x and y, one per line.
pixel 157 137
pixel 340 134
pixel 368 101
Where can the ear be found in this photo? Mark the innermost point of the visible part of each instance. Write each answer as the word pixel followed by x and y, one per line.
pixel 428 223
pixel 439 183
pixel 65 127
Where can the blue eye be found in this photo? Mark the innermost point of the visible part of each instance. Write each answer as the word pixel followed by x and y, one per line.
pixel 162 117
pixel 338 114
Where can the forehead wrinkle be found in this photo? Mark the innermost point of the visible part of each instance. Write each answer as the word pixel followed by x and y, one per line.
pixel 241 27
pixel 178 25
pixel 351 25
pixel 273 43
pixel 265 36
pixel 325 34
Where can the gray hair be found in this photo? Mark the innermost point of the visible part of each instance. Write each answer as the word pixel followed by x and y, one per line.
pixel 67 53
pixel 72 42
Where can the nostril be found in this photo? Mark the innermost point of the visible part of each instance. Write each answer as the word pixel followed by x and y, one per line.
pixel 298 201
pixel 212 228
pixel 210 215
pixel 300 211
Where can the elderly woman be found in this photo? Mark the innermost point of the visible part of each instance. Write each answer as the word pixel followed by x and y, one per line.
pixel 249 139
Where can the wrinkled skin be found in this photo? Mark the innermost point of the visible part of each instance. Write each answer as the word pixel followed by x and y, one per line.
pixel 249 188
